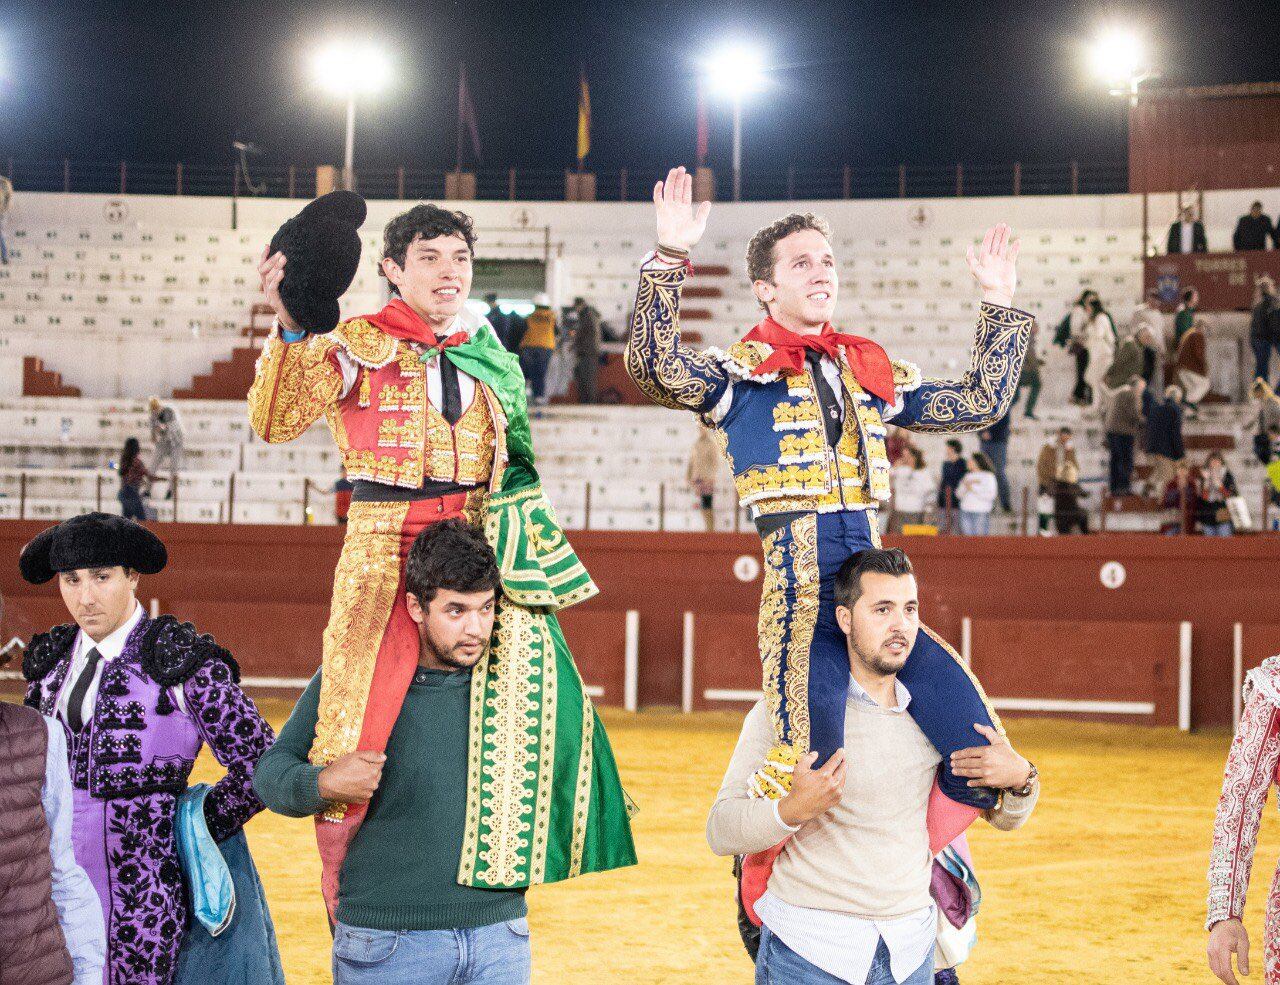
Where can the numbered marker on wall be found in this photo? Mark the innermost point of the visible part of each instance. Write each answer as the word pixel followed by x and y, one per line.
pixel 746 568
pixel 1112 574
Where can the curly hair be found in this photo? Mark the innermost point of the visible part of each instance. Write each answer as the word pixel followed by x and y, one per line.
pixel 424 222
pixel 452 555
pixel 760 252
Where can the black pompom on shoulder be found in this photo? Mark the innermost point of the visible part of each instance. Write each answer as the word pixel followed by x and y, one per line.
pixel 46 649
pixel 173 651
pixel 321 245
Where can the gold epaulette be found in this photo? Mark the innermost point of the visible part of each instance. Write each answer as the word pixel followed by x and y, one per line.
pixel 743 358
pixel 365 343
pixel 906 376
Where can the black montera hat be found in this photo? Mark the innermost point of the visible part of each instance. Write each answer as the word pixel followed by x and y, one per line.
pixel 322 247
pixel 92 540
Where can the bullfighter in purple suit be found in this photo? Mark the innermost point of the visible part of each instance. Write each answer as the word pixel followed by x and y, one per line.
pixel 138 698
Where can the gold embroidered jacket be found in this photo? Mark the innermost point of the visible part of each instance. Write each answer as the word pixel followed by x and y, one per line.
pixel 770 426
pixel 386 428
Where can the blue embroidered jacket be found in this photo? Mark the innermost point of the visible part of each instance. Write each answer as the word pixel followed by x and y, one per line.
pixel 770 426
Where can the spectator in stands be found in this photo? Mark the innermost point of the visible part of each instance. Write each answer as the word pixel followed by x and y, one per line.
pixel 1185 316
pixel 1030 376
pixel 499 320
pixel 1123 424
pixel 586 345
pixel 1098 337
pixel 135 481
pixel 1253 230
pixel 912 489
pixel 1148 315
pixel 977 496
pixel 1192 367
pixel 537 347
pixel 1186 234
pixel 1068 515
pixel 167 439
pixel 994 443
pixel 1179 497
pixel 1268 419
pixel 1162 437
pixel 1216 485
pixel 1137 356
pixel 1264 327
pixel 705 462
pixel 1071 335
pixel 953 470
pixel 1054 457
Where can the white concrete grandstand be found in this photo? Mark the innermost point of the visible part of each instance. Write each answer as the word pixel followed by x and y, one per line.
pixel 129 296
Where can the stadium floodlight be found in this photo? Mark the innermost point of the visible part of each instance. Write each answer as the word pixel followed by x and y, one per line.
pixel 1120 59
pixel 736 71
pixel 350 70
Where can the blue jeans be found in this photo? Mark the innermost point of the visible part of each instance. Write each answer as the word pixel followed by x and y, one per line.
pixel 494 955
pixel 777 964
pixel 1262 357
pixel 534 363
pixel 131 504
pixel 998 452
pixel 974 524
pixel 1217 529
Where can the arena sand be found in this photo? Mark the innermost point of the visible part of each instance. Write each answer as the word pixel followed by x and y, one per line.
pixel 1105 884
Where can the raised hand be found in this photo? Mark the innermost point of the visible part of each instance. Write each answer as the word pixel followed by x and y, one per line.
pixel 994 265
pixel 271 275
pixel 680 225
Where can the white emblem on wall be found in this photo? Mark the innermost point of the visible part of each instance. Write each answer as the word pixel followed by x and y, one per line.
pixel 1112 574
pixel 920 217
pixel 522 218
pixel 115 211
pixel 746 568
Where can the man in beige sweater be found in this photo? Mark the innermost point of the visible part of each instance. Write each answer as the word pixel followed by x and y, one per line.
pixel 848 899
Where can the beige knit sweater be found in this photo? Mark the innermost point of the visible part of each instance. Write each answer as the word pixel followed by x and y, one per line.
pixel 867 856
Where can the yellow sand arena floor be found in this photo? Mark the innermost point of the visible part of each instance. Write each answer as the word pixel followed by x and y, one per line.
pixel 1105 884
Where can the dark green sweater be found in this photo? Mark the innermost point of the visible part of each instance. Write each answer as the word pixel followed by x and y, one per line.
pixel 402 868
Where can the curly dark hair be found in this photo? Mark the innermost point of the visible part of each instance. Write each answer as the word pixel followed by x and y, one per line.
pixel 760 256
pixel 452 555
pixel 426 222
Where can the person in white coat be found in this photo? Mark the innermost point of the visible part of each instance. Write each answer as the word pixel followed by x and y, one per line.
pixel 913 489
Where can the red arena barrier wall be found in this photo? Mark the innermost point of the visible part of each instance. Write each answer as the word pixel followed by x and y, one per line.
pixel 265 591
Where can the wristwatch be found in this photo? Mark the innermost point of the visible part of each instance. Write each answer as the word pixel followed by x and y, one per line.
pixel 1026 788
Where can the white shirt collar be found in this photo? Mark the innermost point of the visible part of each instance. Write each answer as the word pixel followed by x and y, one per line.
pixel 113 645
pixel 900 693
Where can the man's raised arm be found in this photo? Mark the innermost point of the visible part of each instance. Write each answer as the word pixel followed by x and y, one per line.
pixel 667 371
pixel 985 392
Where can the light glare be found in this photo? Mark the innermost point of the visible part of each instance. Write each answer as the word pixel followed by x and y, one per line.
pixel 1118 56
pixel 736 71
pixel 349 69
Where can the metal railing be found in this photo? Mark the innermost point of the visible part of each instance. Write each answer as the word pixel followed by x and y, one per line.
pixel 548 184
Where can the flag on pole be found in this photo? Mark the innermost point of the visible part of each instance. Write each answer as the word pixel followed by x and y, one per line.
pixel 467 123
pixel 584 118
pixel 704 128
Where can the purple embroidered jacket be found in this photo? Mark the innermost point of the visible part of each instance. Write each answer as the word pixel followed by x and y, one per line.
pixel 129 765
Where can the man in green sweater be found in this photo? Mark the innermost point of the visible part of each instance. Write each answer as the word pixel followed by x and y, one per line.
pixel 402 915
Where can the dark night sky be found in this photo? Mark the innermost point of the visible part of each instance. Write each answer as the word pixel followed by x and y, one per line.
pixel 870 83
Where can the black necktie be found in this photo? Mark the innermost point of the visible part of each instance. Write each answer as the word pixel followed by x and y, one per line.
pixel 826 398
pixel 75 705
pixel 451 392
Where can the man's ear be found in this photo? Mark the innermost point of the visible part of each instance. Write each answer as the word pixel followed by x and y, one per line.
pixel 393 270
pixel 764 291
pixel 844 618
pixel 416 611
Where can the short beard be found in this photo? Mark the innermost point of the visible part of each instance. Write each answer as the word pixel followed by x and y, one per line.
pixel 447 657
pixel 875 662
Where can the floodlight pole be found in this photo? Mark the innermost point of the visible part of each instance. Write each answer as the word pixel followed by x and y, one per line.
pixel 737 148
pixel 348 167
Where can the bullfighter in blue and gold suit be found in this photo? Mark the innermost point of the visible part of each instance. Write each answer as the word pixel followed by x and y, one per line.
pixel 800 411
